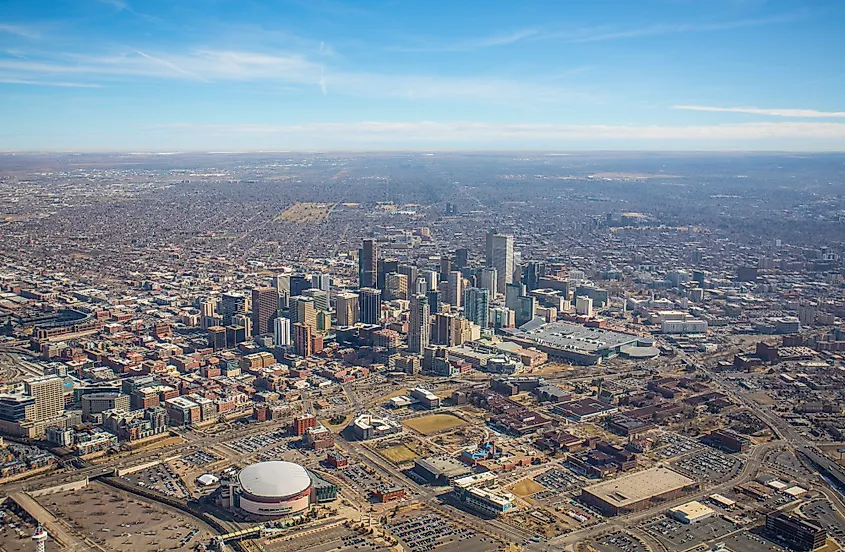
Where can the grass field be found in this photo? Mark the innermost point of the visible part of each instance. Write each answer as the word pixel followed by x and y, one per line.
pixel 399 454
pixel 526 487
pixel 434 423
pixel 304 213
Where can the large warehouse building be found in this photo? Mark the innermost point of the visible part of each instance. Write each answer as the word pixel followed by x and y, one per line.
pixel 276 489
pixel 637 491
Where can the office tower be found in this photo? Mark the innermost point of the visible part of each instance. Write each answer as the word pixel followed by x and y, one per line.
pixel 525 310
pixel 368 264
pixel 346 306
pixel 230 305
pixel 454 288
pixel 306 311
pixel 517 266
pixel 512 294
pixel 385 267
pixel 281 332
pixel 217 337
pixel 488 280
pixel 244 321
pixel 235 335
pixel 48 392
pixel 410 271
pixel 418 324
pixel 476 305
pixel 302 339
pixel 420 287
pixel 321 298
pixel 532 273
pixel 265 303
pixel 461 258
pixel 583 305
pixel 324 321
pixel 281 283
pixel 445 267
pixel 433 297
pixel 397 286
pixel 442 329
pixel 432 278
pixel 299 283
pixel 499 255
pixel 369 305
pixel 321 281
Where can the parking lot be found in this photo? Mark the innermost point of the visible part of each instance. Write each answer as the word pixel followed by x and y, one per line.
pixel 711 466
pixel 681 536
pixel 559 481
pixel 430 530
pixel 673 445
pixel 746 541
pixel 619 541
pixel 361 480
pixel 823 513
pixel 159 478
pixel 254 443
pixel 201 458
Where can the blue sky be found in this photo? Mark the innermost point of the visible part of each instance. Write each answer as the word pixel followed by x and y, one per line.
pixel 216 75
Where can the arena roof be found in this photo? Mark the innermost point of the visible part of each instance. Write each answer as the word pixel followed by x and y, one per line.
pixel 630 489
pixel 274 479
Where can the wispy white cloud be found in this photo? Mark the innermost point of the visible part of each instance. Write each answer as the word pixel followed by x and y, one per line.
pixel 604 34
pixel 289 69
pixel 466 45
pixel 19 30
pixel 807 113
pixel 62 84
pixel 483 132
pixel 119 4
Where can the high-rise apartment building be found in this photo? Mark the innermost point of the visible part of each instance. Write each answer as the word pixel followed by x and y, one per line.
pixel 419 324
pixel 282 332
pixel 369 304
pixel 48 392
pixel 265 304
pixel 302 339
pixel 476 306
pixel 499 255
pixel 346 306
pixel 368 264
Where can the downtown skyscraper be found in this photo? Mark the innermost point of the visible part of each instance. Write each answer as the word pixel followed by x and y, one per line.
pixel 476 306
pixel 499 255
pixel 419 324
pixel 368 264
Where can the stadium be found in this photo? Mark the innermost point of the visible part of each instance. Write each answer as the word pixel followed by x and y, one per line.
pixel 277 489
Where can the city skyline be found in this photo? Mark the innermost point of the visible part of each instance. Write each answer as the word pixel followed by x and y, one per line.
pixel 121 75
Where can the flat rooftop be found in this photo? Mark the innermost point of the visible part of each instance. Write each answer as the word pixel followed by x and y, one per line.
pixel 563 335
pixel 630 489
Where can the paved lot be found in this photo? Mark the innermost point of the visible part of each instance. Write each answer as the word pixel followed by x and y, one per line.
pixel 159 478
pixel 679 536
pixel 710 465
pixel 428 531
pixel 823 513
pixel 254 443
pixel 118 521
pixel 619 541
pixel 673 445
pixel 747 541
